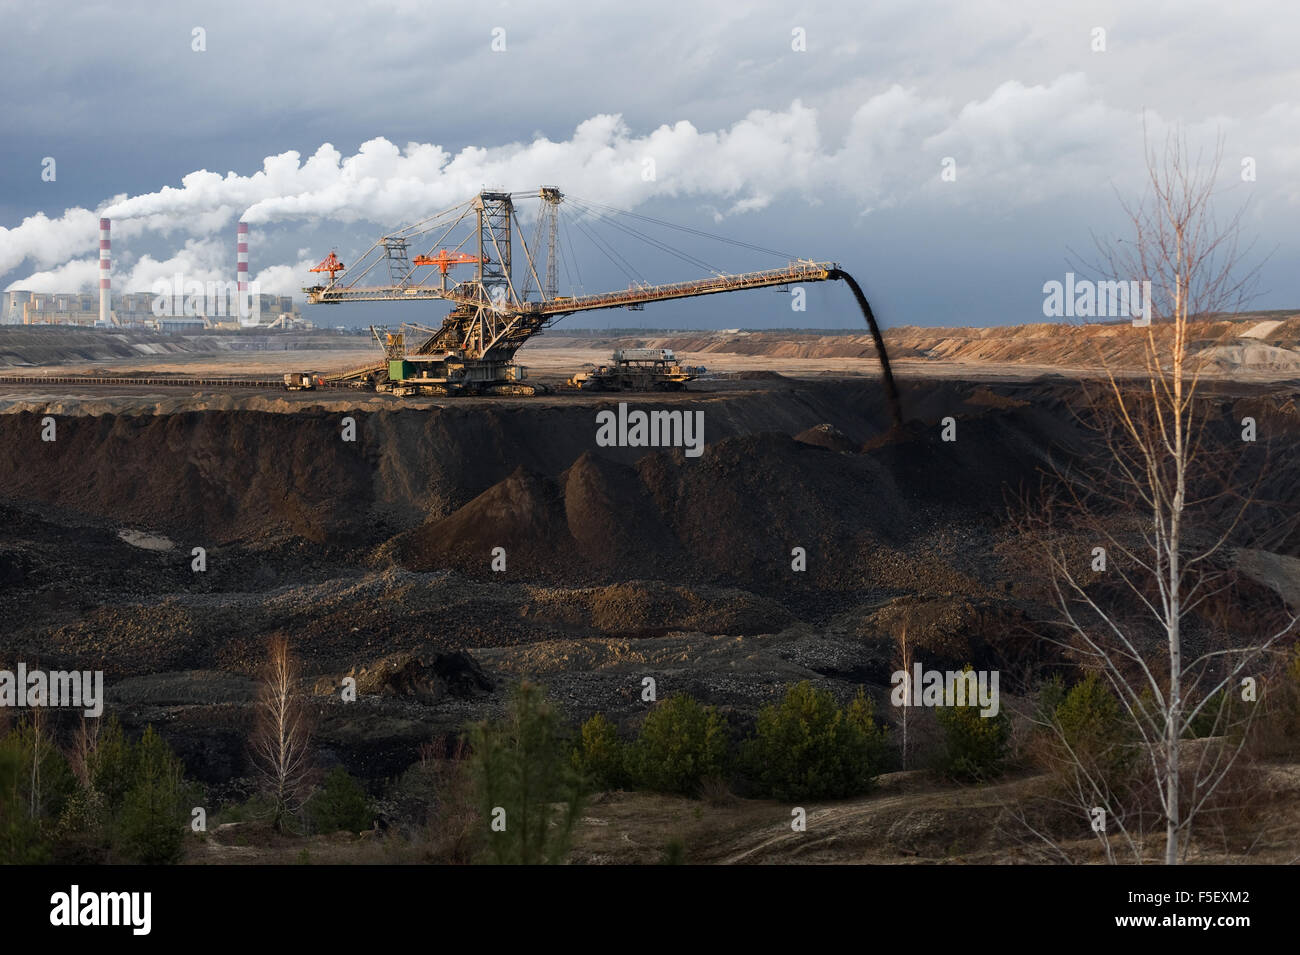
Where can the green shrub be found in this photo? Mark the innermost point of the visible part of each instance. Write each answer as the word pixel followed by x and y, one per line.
pixel 975 746
pixel 55 782
pixel 525 781
pixel 133 808
pixel 1218 717
pixel 257 807
pixel 111 765
pixel 22 839
pixel 808 747
pixel 680 743
pixel 30 807
pixel 674 852
pixel 340 804
pixel 599 754
pixel 1051 694
pixel 82 835
pixel 1275 733
pixel 151 824
pixel 1094 732
pixel 1284 707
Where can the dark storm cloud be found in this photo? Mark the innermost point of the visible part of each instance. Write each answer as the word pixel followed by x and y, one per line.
pixel 834 150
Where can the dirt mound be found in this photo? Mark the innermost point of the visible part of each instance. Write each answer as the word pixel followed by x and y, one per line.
pixel 742 521
pixel 989 398
pixel 753 376
pixel 648 607
pixel 719 517
pixel 425 678
pixel 1253 356
pixel 524 514
pixel 1277 571
pixel 950 632
pixel 612 518
pixel 739 513
pixel 998 450
pixel 827 436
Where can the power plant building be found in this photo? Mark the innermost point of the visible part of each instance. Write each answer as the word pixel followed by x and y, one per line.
pixel 136 310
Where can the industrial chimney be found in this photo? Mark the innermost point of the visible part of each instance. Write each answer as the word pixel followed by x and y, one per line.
pixel 241 266
pixel 105 264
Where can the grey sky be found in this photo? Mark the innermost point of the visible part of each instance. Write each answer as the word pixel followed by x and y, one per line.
pixel 834 152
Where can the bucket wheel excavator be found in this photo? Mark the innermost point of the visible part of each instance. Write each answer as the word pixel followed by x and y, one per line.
pixel 511 296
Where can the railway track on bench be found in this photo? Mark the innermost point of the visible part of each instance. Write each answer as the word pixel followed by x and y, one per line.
pixel 273 383
pixel 167 382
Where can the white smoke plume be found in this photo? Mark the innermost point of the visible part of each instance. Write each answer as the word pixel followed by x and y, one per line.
pixel 199 260
pixel 1019 144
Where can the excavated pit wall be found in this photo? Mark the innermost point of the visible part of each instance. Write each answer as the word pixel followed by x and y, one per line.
pixel 245 475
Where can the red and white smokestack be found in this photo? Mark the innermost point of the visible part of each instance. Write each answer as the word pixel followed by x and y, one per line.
pixel 241 266
pixel 105 267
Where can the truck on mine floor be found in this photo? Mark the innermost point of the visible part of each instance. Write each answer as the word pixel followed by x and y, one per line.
pixel 638 369
pixel 300 381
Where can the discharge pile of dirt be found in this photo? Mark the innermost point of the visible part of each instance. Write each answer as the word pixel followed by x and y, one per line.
pixel 612 519
pixel 760 510
pixel 520 520
pixel 719 517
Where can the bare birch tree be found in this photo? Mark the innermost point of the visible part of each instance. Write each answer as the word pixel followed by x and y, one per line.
pixel 38 726
pixel 281 736
pixel 1137 500
pixel 81 757
pixel 905 664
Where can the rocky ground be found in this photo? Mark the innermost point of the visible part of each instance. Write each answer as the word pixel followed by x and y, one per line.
pixel 374 558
